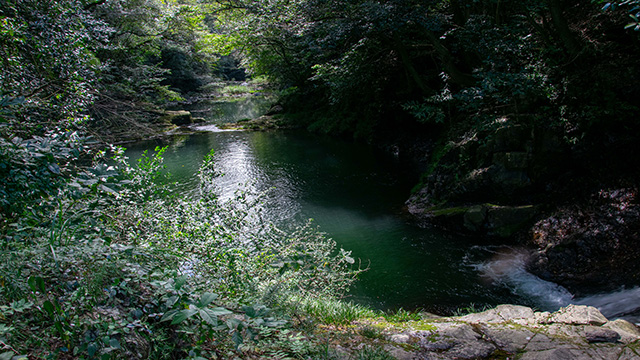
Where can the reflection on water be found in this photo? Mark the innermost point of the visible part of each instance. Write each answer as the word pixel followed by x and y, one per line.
pixel 232 110
pixel 355 195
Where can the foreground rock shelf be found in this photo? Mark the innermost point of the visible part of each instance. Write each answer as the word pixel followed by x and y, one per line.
pixel 512 332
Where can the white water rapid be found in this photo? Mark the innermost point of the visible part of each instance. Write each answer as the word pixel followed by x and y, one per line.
pixel 507 268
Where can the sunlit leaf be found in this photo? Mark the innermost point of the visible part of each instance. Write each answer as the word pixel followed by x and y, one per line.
pixel 206 299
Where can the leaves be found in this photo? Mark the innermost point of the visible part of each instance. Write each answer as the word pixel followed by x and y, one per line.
pixel 36 283
pixel 206 299
pixel 182 315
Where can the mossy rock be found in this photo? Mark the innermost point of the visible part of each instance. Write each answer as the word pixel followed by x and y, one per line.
pixel 179 118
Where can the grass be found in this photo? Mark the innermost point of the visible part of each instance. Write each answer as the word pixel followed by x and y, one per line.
pixel 402 315
pixel 335 312
pixel 470 309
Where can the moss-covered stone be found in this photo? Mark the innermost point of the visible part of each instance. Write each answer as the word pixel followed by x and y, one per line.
pixel 179 118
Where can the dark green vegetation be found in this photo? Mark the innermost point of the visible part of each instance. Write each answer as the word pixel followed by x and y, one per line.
pixel 100 261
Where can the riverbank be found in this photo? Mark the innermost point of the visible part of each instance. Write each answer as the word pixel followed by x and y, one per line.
pixel 522 183
pixel 505 332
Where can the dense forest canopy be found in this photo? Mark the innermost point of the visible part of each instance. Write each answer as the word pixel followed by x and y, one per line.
pixel 370 61
pixel 76 75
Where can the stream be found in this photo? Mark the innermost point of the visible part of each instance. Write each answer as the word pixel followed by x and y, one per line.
pixel 355 194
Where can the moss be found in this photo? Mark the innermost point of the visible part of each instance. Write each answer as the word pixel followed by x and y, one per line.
pixel 460 210
pixel 423 326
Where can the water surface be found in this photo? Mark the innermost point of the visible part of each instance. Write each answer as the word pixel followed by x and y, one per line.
pixel 355 194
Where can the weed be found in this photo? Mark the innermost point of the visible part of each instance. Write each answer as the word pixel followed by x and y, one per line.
pixel 334 312
pixel 402 315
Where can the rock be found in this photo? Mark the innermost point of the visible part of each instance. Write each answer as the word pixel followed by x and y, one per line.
pixel 512 331
pixel 512 160
pixel 508 337
pixel 598 334
pixel 471 350
pixel 398 353
pixel 628 354
pixel 590 247
pixel 179 118
pixel 505 181
pixel 460 341
pixel 400 338
pixel 509 138
pixel 578 315
pixel 627 331
pixel 500 314
pixel 563 353
pixel 542 342
pixel 475 217
pixel 505 221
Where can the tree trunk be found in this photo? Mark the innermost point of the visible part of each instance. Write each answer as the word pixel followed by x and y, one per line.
pixel 567 37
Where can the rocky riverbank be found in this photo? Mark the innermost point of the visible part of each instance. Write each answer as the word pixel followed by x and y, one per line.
pixel 505 332
pixel 522 183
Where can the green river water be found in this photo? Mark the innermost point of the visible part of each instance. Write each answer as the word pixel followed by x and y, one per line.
pixel 356 195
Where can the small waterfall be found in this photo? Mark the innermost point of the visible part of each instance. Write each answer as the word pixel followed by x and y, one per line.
pixel 507 268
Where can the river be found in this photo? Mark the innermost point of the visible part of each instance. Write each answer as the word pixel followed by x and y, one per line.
pixel 355 194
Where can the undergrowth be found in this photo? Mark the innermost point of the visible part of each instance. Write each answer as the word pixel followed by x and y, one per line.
pixel 116 266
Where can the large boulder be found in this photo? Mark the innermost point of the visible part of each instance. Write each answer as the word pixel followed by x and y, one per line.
pixel 179 118
pixel 592 247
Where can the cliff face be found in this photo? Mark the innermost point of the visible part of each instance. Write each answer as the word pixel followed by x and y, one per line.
pixel 490 182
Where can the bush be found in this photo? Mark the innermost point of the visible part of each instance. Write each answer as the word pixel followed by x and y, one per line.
pixel 110 264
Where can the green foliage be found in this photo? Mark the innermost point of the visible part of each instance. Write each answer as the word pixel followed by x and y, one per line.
pixel 402 315
pixel 46 58
pixel 330 311
pixel 123 266
pixel 632 6
pixel 371 332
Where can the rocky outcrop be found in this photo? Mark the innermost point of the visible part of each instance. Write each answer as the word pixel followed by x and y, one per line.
pixel 262 123
pixel 507 166
pixel 590 246
pixel 514 332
